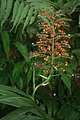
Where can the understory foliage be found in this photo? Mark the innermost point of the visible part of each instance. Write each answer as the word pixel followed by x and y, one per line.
pixel 39 60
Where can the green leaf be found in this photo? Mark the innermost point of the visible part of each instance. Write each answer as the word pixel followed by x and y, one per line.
pixel 64 111
pixel 73 63
pixel 15 9
pixel 76 51
pixel 30 117
pixel 14 97
pixel 16 113
pixel 24 13
pixel 60 3
pixel 18 68
pixel 60 89
pixel 31 31
pixel 20 83
pixel 33 17
pixel 2 9
pixel 46 20
pixel 66 80
pixel 6 42
pixel 7 12
pixel 6 89
pixel 29 74
pixel 23 50
pixel 63 19
pixel 19 114
pixel 73 115
pixel 28 18
pixel 16 100
pixel 20 9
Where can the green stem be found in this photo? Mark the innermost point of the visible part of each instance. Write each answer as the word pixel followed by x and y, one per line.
pixel 52 61
pixel 33 78
pixel 46 82
pixel 49 77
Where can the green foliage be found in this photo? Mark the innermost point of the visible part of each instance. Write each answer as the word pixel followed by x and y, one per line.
pixel 23 50
pixel 70 6
pixel 19 99
pixel 32 93
pixel 18 68
pixel 8 7
pixel 6 43
pixel 67 81
pixel 70 113
pixel 2 9
pixel 23 12
pixel 20 8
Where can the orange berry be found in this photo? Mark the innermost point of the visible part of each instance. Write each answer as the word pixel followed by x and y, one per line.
pixel 62 69
pixel 49 47
pixel 56 53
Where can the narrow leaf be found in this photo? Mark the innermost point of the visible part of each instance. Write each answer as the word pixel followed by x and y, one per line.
pixel 6 43
pixel 15 9
pixel 2 9
pixel 7 12
pixel 63 19
pixel 16 101
pixel 20 9
pixel 24 13
pixel 15 114
pixel 7 89
pixel 33 17
pixel 28 18
pixel 66 80
pixel 23 50
pixel 17 68
pixel 76 51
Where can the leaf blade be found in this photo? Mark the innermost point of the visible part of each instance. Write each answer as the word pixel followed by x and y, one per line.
pixel 23 50
pixel 6 43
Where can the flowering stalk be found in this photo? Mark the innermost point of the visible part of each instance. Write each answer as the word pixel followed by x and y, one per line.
pixel 50 45
pixel 52 51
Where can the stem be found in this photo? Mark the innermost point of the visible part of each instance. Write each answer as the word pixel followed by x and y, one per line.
pixel 42 84
pixel 49 77
pixel 52 61
pixel 33 78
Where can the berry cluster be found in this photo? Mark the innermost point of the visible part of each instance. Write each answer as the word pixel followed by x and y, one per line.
pixel 50 41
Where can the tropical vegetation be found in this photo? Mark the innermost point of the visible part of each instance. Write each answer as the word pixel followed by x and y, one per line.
pixel 39 59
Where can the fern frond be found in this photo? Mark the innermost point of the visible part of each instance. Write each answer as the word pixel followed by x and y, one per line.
pixel 2 9
pixel 23 50
pixel 24 12
pixel 6 42
pixel 23 15
pixel 70 6
pixel 20 9
pixel 7 12
pixel 33 17
pixel 15 9
pixel 30 13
